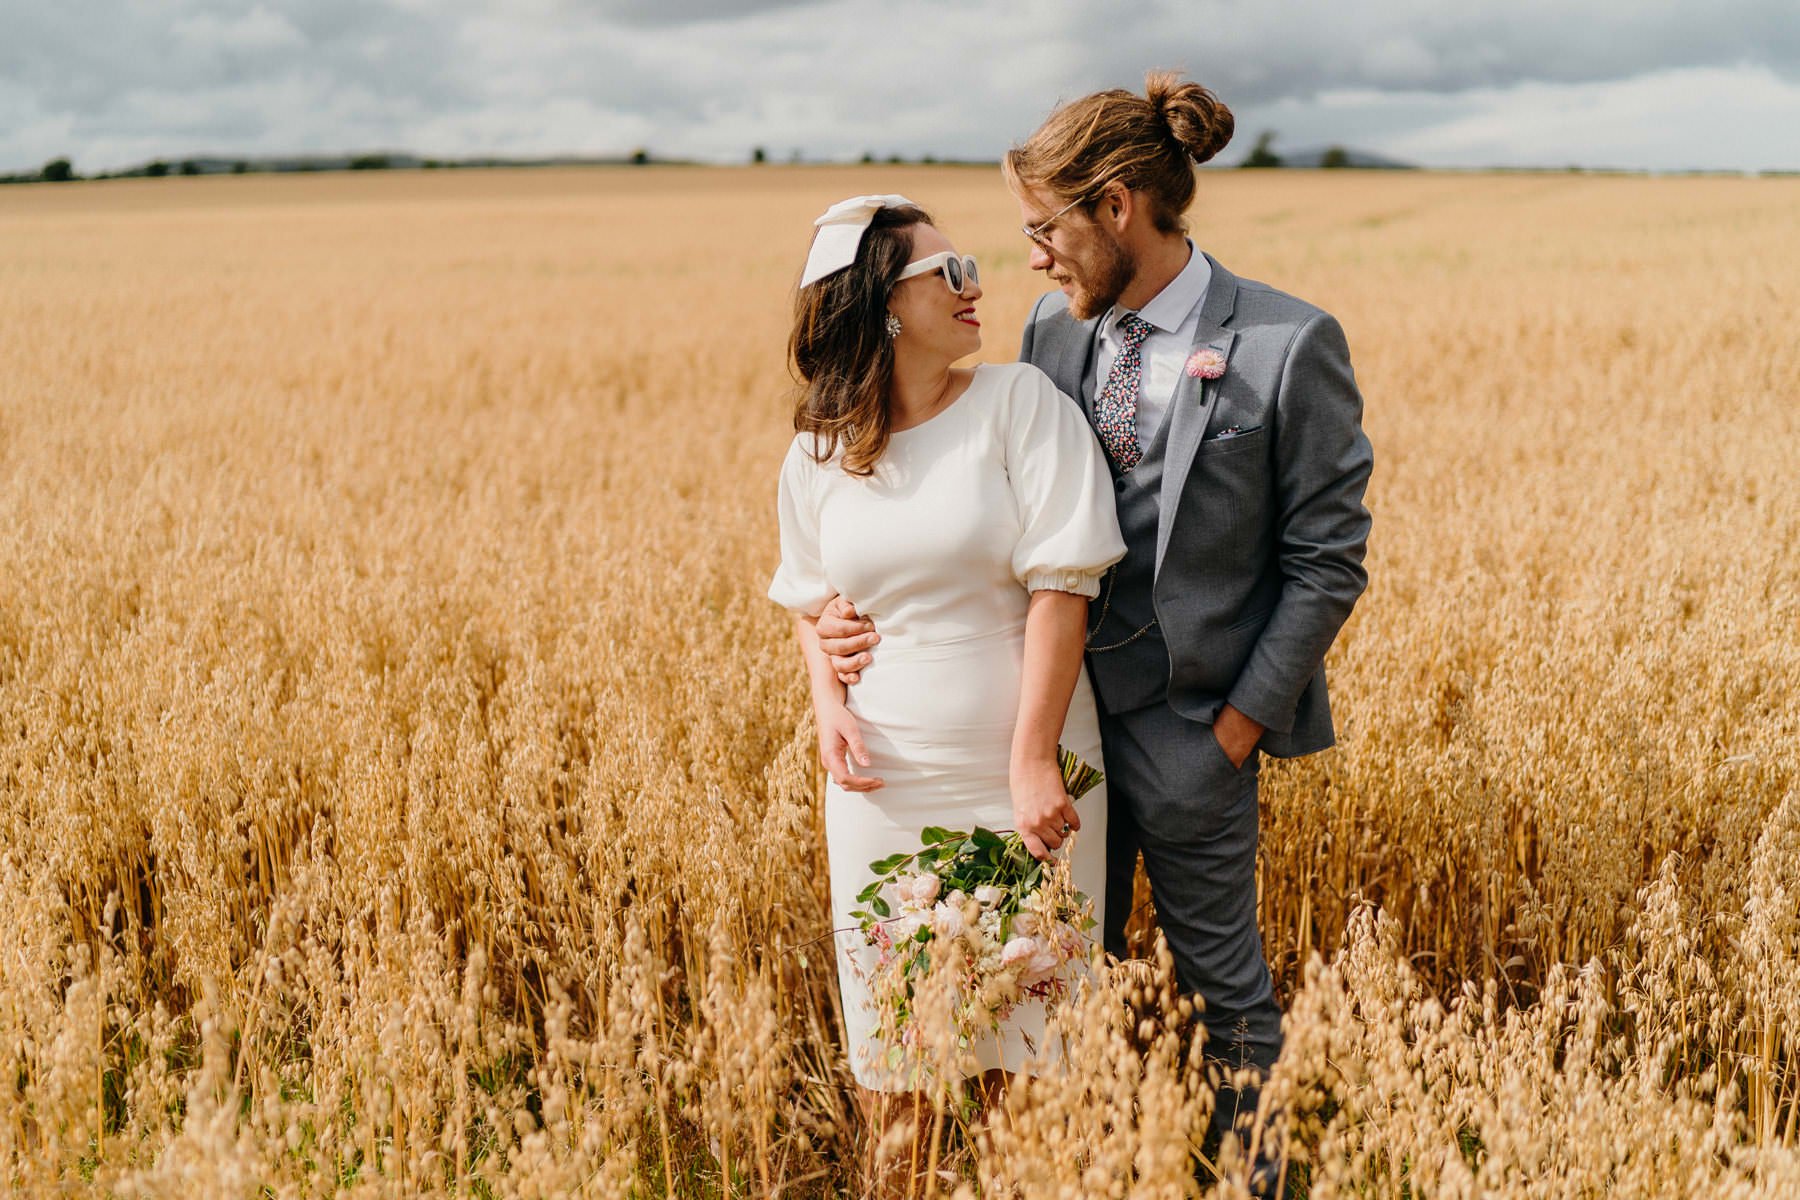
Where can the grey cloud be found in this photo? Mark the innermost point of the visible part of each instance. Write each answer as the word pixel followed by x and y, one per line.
pixel 835 77
pixel 1289 48
pixel 685 12
pixel 90 64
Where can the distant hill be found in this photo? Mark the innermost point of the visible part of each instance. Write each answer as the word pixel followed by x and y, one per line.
pixel 1352 158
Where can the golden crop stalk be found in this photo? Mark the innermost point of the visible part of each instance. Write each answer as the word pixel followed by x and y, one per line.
pixel 405 788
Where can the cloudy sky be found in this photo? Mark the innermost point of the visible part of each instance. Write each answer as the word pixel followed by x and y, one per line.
pixel 1628 83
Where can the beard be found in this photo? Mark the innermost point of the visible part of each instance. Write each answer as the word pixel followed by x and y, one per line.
pixel 1105 280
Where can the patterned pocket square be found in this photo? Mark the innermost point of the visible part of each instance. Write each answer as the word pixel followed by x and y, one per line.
pixel 1232 431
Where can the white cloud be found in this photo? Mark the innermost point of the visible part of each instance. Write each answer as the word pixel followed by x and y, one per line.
pixel 1701 117
pixel 258 29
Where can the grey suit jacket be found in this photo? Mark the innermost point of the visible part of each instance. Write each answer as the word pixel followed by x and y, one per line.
pixel 1261 535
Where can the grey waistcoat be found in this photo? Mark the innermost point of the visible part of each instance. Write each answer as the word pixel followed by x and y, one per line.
pixel 1130 671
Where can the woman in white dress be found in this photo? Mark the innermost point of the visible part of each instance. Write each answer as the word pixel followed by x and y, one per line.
pixel 969 513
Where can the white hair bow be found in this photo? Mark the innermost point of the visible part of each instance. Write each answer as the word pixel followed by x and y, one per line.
pixel 841 228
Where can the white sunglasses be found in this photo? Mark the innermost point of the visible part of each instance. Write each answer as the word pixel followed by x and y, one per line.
pixel 958 270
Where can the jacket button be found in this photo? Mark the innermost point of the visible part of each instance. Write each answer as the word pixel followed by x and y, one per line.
pixel 1119 483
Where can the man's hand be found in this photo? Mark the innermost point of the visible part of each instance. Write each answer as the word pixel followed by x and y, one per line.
pixel 1043 813
pixel 840 745
pixel 846 638
pixel 1237 734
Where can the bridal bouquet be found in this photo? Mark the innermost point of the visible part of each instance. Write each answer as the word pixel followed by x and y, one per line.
pixel 978 906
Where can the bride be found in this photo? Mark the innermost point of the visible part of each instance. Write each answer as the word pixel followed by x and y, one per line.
pixel 969 513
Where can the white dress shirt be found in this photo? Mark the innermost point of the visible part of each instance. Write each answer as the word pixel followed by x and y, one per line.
pixel 1174 316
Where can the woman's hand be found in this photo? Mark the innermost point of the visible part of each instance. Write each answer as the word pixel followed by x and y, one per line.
pixel 1043 813
pixel 846 636
pixel 840 742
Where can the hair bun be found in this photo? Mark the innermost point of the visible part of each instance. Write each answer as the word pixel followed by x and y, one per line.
pixel 1196 118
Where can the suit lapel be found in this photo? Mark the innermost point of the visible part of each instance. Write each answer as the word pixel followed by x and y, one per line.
pixel 1072 374
pixel 1194 400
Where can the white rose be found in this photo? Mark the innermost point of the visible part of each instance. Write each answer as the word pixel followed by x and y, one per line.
pixel 902 928
pixel 921 890
pixel 987 895
pixel 947 920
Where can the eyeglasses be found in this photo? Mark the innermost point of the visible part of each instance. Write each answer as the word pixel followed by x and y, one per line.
pixel 1036 232
pixel 958 270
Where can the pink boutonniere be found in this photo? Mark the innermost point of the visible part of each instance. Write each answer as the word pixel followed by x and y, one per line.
pixel 1206 364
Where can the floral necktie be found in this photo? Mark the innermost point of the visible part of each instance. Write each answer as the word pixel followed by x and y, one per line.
pixel 1115 412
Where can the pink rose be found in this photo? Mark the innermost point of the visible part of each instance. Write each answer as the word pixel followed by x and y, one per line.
pixel 1018 951
pixel 1206 364
pixel 1035 960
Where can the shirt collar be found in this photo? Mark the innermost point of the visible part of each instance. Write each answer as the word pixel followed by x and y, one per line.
pixel 1175 303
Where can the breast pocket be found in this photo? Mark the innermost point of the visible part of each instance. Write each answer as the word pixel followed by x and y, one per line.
pixel 1231 479
pixel 1235 443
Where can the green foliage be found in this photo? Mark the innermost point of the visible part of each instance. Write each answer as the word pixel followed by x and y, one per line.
pixel 1079 778
pixel 1335 156
pixel 1260 154
pixel 58 170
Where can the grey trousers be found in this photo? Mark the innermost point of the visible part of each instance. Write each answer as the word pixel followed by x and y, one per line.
pixel 1176 798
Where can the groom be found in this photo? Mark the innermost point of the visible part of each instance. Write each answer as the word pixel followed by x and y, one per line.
pixel 1233 425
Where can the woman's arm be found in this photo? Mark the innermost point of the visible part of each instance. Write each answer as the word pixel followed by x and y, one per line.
pixel 839 737
pixel 1055 628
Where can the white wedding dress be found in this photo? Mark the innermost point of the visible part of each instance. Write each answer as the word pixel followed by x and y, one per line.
pixel 1002 493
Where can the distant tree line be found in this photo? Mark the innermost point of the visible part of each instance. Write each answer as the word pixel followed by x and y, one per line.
pixel 760 156
pixel 57 170
pixel 1261 155
pixel 62 169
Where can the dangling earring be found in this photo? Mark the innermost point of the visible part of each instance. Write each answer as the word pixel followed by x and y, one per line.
pixel 893 326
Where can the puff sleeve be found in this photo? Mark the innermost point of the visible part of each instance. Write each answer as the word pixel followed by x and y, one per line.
pixel 799 584
pixel 1069 525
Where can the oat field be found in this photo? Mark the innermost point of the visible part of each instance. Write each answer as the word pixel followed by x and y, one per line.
pixel 405 788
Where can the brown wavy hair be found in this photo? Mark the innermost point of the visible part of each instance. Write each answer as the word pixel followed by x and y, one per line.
pixel 1149 143
pixel 840 348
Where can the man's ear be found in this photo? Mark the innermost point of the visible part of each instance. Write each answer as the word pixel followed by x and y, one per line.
pixel 1116 206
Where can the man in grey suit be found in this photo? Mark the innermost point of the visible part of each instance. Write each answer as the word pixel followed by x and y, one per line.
pixel 1232 421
